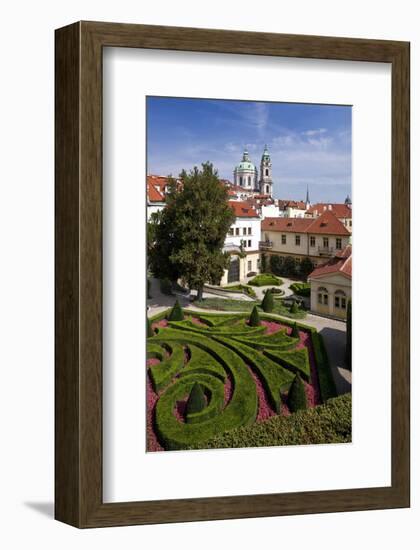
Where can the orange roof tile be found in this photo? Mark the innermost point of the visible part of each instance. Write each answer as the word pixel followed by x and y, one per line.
pixel 338 264
pixel 340 210
pixel 243 209
pixel 326 224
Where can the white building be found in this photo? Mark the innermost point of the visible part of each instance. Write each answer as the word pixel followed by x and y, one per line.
pixel 331 285
pixel 242 243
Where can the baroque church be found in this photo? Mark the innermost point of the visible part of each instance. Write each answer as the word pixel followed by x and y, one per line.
pixel 245 174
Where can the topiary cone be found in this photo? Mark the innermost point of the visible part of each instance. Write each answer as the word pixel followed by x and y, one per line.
pixel 196 400
pixel 295 331
pixel 268 302
pixel 254 320
pixel 176 313
pixel 296 399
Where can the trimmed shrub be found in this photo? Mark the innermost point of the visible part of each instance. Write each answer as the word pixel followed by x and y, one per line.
pixel 265 279
pixel 254 320
pixel 306 267
pixel 294 308
pixel 301 289
pixel 268 302
pixel 176 313
pixel 150 331
pixel 329 423
pixel 296 399
pixel 295 331
pixel 166 287
pixel 196 400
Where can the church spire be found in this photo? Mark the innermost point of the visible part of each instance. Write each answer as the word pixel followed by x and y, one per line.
pixel 308 202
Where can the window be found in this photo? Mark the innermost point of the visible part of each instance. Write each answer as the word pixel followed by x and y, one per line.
pixel 249 181
pixel 231 231
pixel 249 231
pixel 297 240
pixel 350 223
pixel 249 243
pixel 240 181
pixel 267 189
pixel 266 171
pixel 325 242
pixel 323 296
pixel 237 231
pixel 244 231
pixel 338 244
pixel 340 300
pixel 312 241
pixel 249 265
pixel 283 239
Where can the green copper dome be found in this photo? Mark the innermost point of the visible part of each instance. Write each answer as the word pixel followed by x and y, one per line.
pixel 245 164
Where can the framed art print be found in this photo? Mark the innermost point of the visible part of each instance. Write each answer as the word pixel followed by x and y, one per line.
pixel 232 274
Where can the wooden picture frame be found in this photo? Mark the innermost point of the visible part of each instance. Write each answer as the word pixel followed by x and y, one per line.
pixel 78 344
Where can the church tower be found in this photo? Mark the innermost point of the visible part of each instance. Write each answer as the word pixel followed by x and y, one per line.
pixel 266 181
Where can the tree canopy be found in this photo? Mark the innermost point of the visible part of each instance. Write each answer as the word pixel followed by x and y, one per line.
pixel 189 233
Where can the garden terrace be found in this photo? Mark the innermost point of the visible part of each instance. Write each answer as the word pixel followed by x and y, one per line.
pixel 244 373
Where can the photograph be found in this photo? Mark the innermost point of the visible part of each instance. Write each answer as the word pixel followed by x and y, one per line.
pixel 249 273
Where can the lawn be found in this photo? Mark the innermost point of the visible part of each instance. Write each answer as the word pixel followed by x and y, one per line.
pixel 241 374
pixel 222 304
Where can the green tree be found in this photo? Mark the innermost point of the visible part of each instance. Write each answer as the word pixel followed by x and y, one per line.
pixel 254 320
pixel 192 229
pixel 348 336
pixel 176 313
pixel 289 266
pixel 263 263
pixel 268 302
pixel 306 267
pixel 196 400
pixel 296 399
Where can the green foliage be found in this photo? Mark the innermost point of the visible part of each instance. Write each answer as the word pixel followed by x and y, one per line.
pixel 348 336
pixel 265 279
pixel 295 331
pixel 196 400
pixel 148 289
pixel 325 377
pixel 244 289
pixel 296 360
pixel 296 398
pixel 294 308
pixel 170 365
pixel 166 286
pixel 328 423
pixel 263 263
pixel 306 267
pixel 191 230
pixel 150 332
pixel 254 320
pixel 301 289
pixel 268 302
pixel 176 313
pixel 222 304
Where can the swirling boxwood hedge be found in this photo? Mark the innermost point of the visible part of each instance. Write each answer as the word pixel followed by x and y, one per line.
pixel 219 353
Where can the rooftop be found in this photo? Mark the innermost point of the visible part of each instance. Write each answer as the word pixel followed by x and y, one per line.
pixel 326 224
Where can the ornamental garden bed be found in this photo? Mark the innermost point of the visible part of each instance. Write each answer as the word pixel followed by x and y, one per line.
pixel 209 375
pixel 265 279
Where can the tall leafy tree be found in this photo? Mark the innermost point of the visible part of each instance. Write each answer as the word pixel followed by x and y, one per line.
pixel 191 230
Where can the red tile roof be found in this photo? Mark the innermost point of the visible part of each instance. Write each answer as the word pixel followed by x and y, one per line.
pixel 340 210
pixel 340 264
pixel 326 224
pixel 156 187
pixel 243 210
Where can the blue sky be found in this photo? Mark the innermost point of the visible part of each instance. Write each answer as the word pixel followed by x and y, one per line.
pixel 309 144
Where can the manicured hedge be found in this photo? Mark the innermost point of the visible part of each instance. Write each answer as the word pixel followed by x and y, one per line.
pixel 325 377
pixel 240 410
pixel 328 423
pixel 268 302
pixel 254 319
pixel 274 377
pixel 176 313
pixel 162 373
pixel 301 289
pixel 265 279
pixel 297 360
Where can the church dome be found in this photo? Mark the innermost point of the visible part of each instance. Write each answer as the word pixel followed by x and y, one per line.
pixel 245 164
